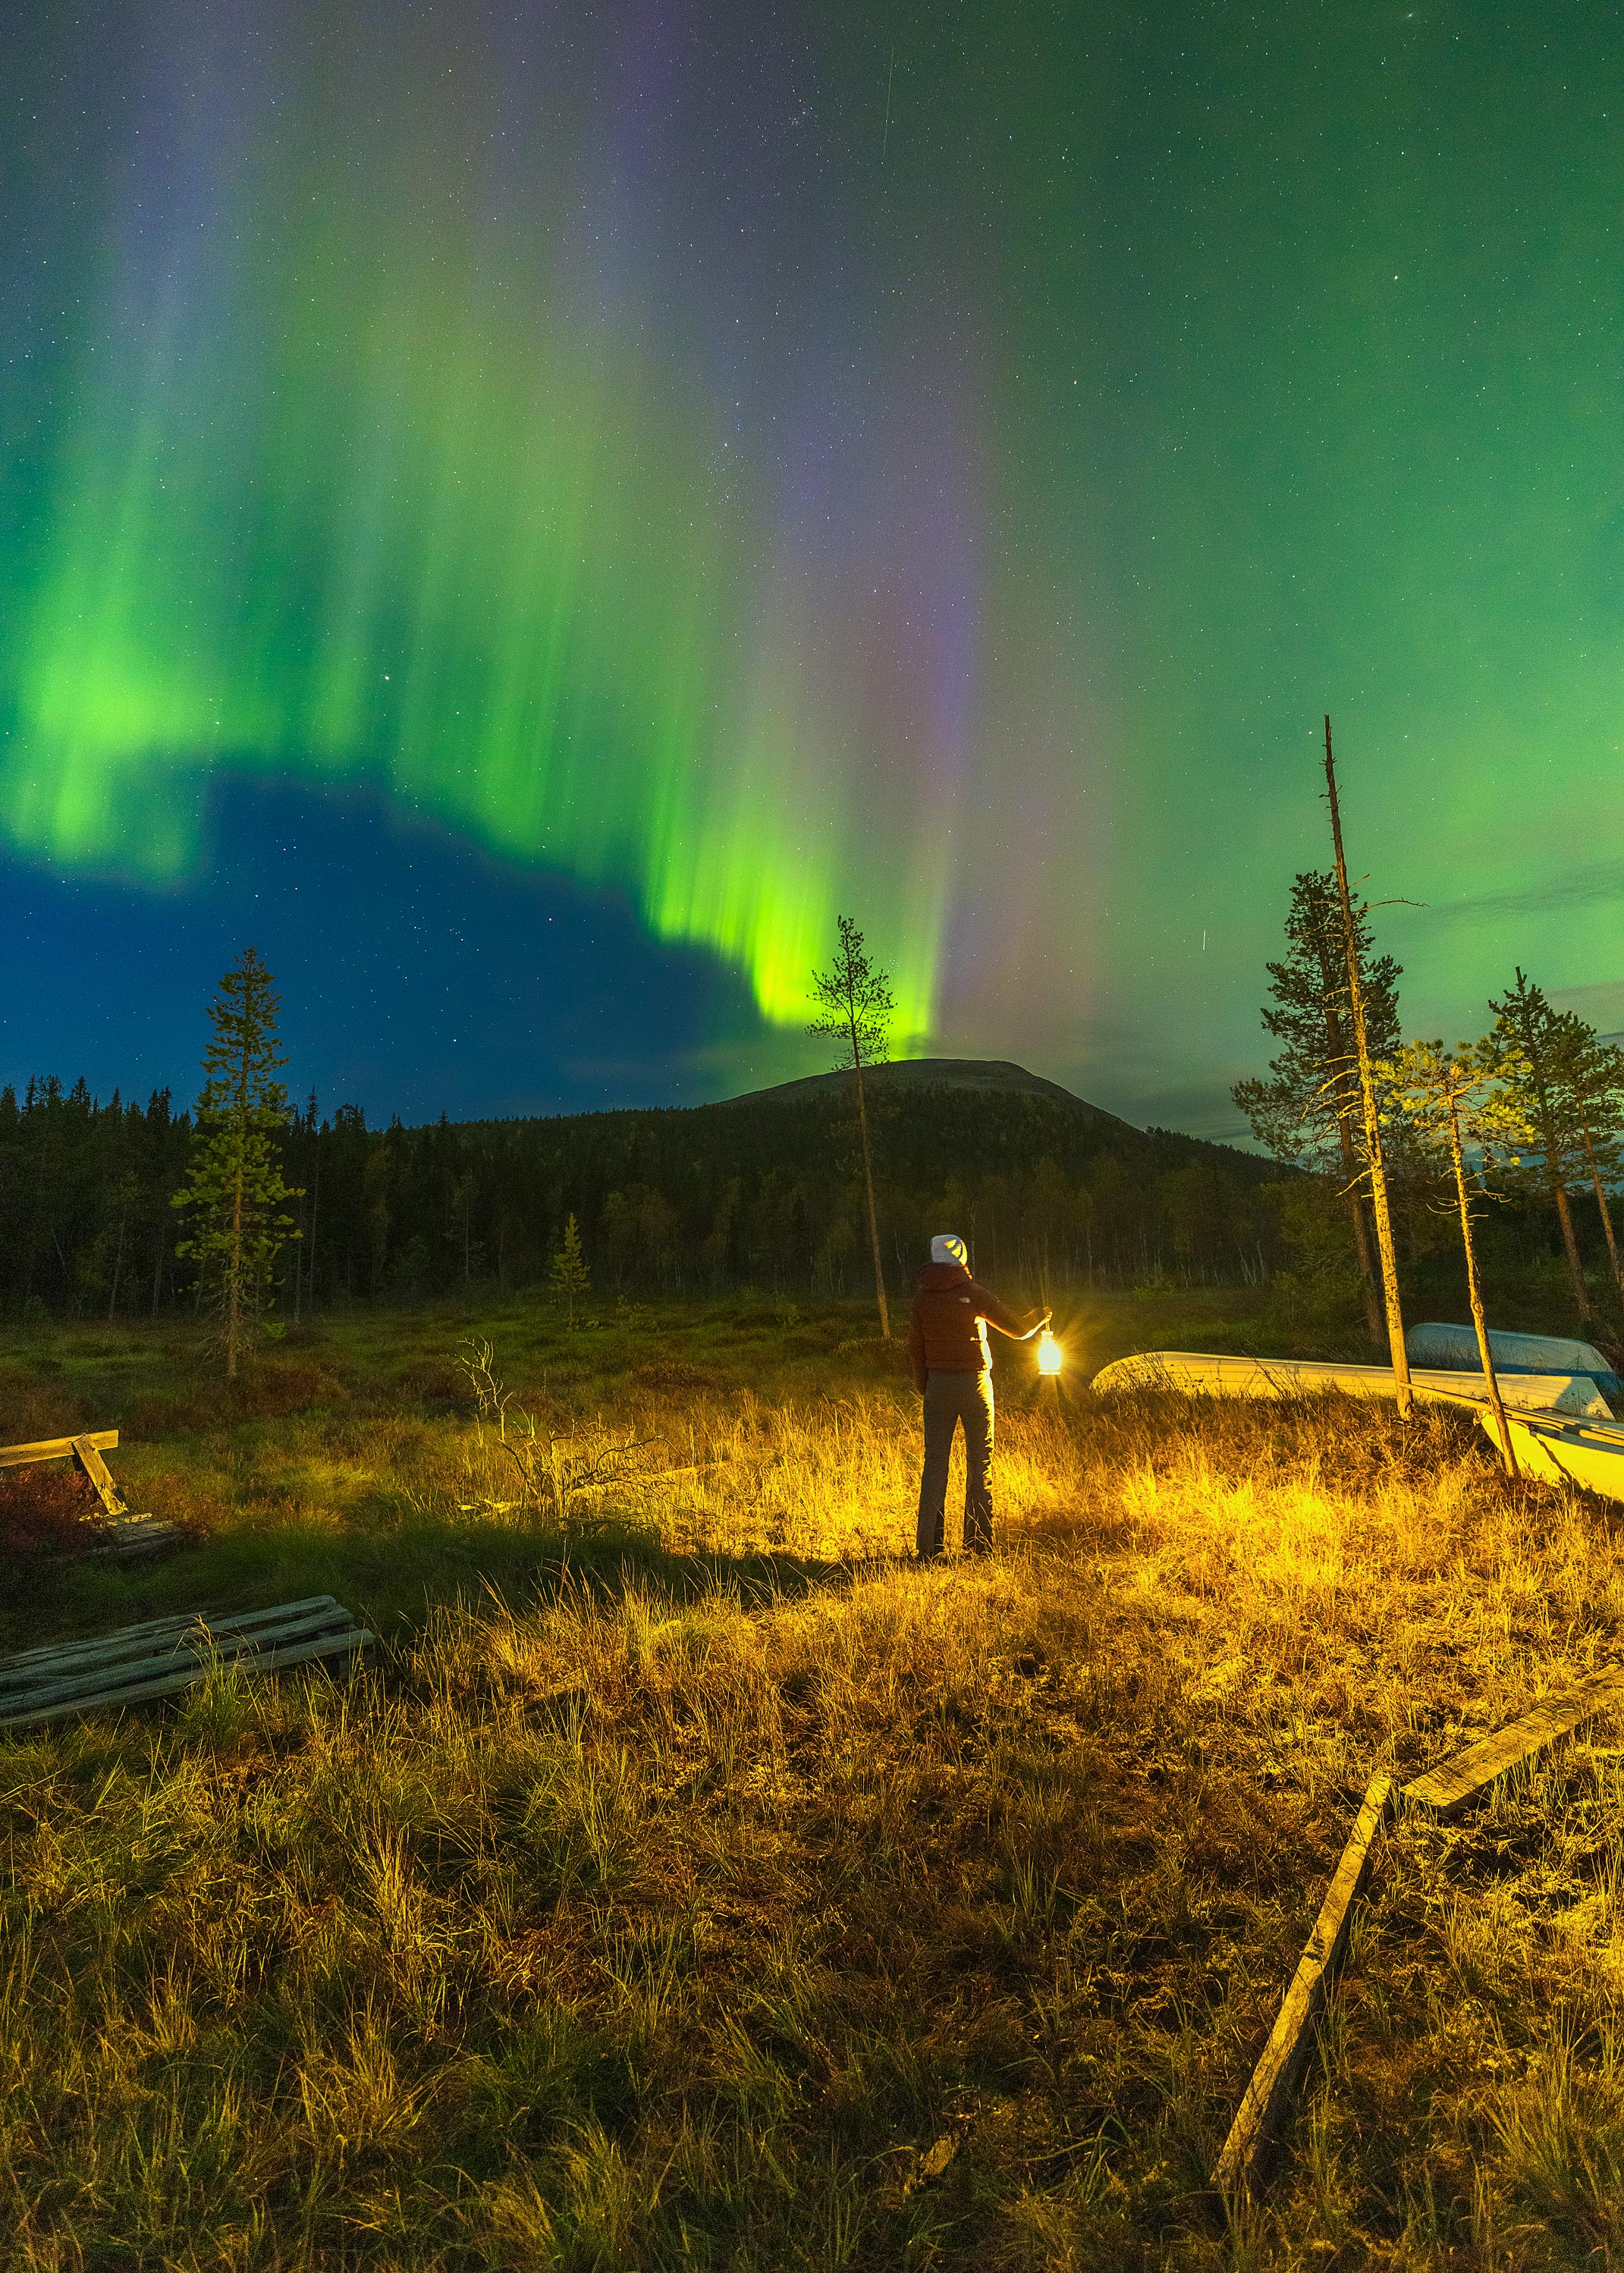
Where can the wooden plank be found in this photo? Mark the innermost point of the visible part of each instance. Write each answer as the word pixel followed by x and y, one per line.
pixel 56 1448
pixel 1274 2080
pixel 188 1652
pixel 171 1685
pixel 134 1535
pixel 55 1654
pixel 96 1469
pixel 91 1678
pixel 47 1651
pixel 1453 1780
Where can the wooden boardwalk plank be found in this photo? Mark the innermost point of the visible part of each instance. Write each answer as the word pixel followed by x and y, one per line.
pixel 199 1646
pixel 57 1448
pixel 154 1629
pixel 1453 1780
pixel 1274 2079
pixel 171 1685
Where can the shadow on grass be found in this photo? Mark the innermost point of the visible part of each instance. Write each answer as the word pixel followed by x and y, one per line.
pixel 390 1578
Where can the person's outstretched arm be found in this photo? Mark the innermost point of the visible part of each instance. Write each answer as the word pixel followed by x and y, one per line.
pixel 989 1306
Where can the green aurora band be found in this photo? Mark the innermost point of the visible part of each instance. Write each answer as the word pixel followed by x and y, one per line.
pixel 668 447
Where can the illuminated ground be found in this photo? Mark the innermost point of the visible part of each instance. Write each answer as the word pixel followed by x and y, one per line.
pixel 738 1895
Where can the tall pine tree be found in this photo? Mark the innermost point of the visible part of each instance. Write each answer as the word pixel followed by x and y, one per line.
pixel 233 1194
pixel 1308 1111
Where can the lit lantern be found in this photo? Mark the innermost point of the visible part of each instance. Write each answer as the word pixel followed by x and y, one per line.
pixel 1051 1357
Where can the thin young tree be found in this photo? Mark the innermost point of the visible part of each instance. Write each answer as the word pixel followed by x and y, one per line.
pixel 1373 1162
pixel 1456 1100
pixel 1531 1030
pixel 233 1194
pixel 1309 1108
pixel 857 1010
pixel 569 1273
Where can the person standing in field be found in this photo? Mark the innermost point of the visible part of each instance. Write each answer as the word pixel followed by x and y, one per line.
pixel 953 1371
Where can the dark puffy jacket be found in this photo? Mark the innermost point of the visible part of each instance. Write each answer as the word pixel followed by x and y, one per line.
pixel 947 1325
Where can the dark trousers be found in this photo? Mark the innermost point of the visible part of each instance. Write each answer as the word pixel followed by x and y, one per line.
pixel 950 1397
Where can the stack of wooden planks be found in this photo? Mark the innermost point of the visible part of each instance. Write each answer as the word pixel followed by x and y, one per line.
pixel 162 1656
pixel 120 1533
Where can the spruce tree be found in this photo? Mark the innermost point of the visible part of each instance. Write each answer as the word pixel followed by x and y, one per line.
pixel 569 1273
pixel 1308 1111
pixel 233 1194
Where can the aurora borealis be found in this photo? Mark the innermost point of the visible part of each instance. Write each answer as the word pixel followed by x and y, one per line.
pixel 722 466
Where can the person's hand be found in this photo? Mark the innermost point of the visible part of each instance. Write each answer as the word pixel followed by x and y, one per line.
pixel 1047 1319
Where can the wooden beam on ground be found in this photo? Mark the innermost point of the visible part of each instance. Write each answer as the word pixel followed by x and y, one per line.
pixel 1274 2080
pixel 1454 1780
pixel 57 1448
pixel 96 1467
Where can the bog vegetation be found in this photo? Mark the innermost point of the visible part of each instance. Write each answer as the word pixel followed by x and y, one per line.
pixel 690 1881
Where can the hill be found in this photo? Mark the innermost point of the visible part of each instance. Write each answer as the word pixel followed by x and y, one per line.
pixel 761 1191
pixel 991 1077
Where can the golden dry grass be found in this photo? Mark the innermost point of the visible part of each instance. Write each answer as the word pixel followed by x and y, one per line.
pixel 730 1892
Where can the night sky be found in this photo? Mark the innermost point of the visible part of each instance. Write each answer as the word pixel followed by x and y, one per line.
pixel 524 514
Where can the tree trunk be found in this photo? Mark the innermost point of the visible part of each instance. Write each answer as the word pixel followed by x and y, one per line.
pixel 1361 1235
pixel 1336 1055
pixel 1605 1211
pixel 1576 1269
pixel 1475 1294
pixel 1374 1163
pixel 874 1220
pixel 118 1264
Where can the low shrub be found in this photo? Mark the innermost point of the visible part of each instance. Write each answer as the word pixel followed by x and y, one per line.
pixel 48 1510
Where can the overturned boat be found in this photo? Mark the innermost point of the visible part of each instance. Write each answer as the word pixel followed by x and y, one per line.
pixel 1561 1424
pixel 1199 1374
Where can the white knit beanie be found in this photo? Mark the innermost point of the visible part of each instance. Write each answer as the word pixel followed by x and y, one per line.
pixel 947 1247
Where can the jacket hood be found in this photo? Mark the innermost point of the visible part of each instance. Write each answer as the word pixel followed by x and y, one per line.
pixel 940 1274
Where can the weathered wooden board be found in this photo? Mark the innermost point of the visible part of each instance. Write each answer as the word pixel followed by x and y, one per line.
pixel 1454 1780
pixel 192 1647
pixel 152 1632
pixel 57 1448
pixel 1274 2079
pixel 119 1532
pixel 101 1476
pixel 132 1535
pixel 271 1661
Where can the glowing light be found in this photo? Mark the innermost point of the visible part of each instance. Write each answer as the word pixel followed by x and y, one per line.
pixel 1051 1357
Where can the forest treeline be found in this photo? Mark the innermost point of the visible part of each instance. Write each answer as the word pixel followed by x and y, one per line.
pixel 115 1209
pixel 764 1193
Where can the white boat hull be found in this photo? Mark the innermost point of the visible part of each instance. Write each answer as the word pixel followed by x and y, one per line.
pixel 1552 1450
pixel 1200 1372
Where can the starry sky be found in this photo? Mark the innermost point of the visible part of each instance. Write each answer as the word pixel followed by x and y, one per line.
pixel 524 513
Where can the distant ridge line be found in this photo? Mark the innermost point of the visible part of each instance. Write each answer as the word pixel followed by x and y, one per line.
pixel 997 1076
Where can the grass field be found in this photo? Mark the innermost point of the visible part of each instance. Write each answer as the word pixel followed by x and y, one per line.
pixel 693 1881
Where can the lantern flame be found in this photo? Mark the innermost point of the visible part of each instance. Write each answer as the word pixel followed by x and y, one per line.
pixel 1051 1357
